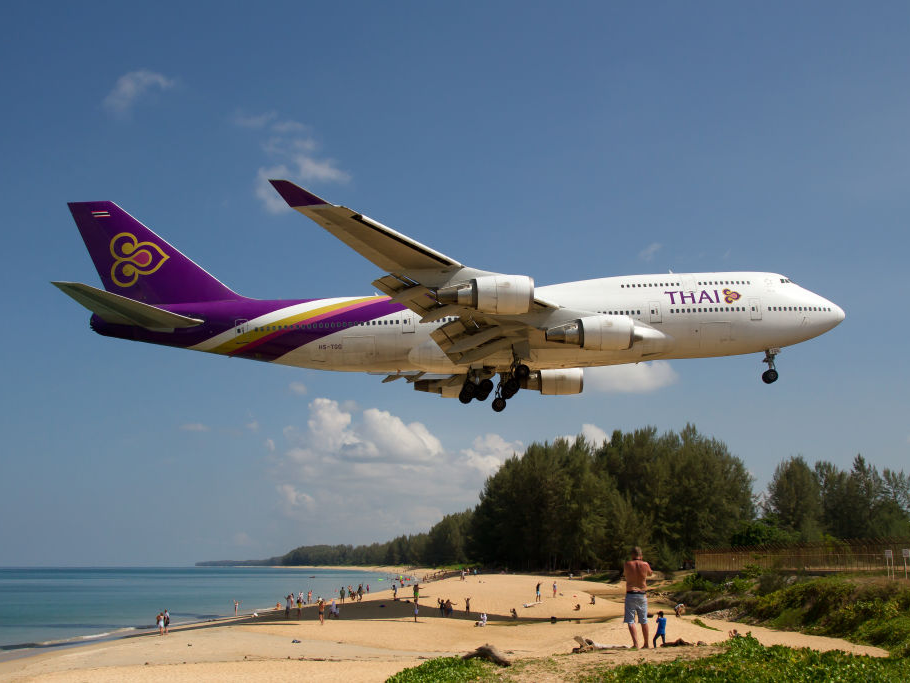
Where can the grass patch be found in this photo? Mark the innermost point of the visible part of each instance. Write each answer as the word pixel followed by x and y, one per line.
pixel 446 670
pixel 747 661
pixel 699 622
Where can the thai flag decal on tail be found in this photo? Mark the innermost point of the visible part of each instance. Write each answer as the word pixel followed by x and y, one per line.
pixel 101 214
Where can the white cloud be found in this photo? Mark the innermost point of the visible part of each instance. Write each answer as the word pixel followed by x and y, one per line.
pixel 648 252
pixel 131 86
pixel 194 427
pixel 631 378
pixel 270 445
pixel 298 388
pixel 489 451
pixel 294 502
pixel 254 121
pixel 252 425
pixel 593 434
pixel 375 472
pixel 292 154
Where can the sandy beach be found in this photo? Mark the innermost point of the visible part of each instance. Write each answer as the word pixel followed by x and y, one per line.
pixel 377 637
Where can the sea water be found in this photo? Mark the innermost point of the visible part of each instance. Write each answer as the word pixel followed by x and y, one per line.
pixel 47 607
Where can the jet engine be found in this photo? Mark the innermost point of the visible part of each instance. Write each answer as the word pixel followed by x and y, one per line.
pixel 596 333
pixel 562 382
pixel 495 294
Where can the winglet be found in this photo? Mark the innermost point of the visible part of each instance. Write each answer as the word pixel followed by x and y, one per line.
pixel 296 196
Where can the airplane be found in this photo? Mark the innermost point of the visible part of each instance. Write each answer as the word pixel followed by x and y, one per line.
pixel 444 327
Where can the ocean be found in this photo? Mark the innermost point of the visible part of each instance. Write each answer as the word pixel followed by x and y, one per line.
pixel 50 607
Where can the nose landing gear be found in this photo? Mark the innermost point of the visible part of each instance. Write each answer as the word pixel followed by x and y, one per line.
pixel 769 376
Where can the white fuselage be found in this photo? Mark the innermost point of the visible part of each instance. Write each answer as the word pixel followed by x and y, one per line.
pixel 696 315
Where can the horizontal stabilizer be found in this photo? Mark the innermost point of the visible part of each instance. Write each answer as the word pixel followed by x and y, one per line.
pixel 120 310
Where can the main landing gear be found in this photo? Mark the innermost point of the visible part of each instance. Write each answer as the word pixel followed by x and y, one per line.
pixel 509 384
pixel 769 376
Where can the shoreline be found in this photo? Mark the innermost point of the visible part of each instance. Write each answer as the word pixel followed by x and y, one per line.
pixel 105 634
pixel 376 637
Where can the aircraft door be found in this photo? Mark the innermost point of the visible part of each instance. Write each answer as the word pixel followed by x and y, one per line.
pixel 654 308
pixel 755 309
pixel 241 327
pixel 407 323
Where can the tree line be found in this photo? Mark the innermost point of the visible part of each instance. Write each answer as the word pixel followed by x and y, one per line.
pixel 814 503
pixel 573 505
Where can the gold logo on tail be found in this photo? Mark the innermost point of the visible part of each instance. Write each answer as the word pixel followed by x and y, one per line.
pixel 133 258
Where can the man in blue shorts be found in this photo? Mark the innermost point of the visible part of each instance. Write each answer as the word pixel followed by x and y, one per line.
pixel 636 572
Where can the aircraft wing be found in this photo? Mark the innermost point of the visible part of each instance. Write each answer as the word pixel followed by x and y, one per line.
pixel 417 276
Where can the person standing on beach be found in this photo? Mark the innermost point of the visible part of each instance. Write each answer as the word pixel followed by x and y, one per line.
pixel 167 621
pixel 236 605
pixel 661 629
pixel 341 593
pixel 159 619
pixel 394 591
pixel 537 592
pixel 467 605
pixel 321 612
pixel 636 572
pixel 416 608
pixel 554 589
pixel 416 591
pixel 287 606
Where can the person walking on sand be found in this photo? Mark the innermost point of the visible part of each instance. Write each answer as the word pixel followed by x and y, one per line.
pixel 167 621
pixel 416 608
pixel 159 619
pixel 636 572
pixel 416 592
pixel 287 606
pixel 554 589
pixel 467 605
pixel 394 591
pixel 321 612
pixel 537 592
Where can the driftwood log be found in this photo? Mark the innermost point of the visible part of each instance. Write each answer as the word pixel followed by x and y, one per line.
pixel 490 653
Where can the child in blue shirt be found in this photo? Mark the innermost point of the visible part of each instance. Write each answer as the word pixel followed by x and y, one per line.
pixel 661 630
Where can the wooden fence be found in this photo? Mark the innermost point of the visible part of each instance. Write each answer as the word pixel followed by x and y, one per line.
pixel 822 557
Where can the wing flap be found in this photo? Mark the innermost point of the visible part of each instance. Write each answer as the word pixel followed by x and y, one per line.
pixel 121 310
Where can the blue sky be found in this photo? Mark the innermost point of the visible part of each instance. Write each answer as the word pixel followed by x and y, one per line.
pixel 560 140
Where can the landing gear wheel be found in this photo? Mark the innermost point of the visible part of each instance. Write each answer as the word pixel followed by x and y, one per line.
pixel 522 371
pixel 499 404
pixel 769 376
pixel 468 391
pixel 510 387
pixel 484 389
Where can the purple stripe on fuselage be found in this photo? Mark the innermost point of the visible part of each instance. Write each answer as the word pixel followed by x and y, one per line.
pixel 328 315
pixel 285 341
pixel 222 315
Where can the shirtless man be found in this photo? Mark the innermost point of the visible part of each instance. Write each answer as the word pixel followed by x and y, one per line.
pixel 637 572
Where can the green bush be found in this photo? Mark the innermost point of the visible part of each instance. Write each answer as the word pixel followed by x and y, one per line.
pixel 746 661
pixel 445 670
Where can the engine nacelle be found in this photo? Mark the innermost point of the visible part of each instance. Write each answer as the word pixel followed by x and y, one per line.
pixel 562 382
pixel 596 333
pixel 496 294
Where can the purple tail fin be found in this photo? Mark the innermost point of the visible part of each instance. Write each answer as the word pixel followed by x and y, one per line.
pixel 134 262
